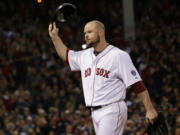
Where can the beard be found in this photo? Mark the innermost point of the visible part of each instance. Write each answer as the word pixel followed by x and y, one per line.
pixel 94 43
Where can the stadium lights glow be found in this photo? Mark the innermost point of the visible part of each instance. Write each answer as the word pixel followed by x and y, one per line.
pixel 84 46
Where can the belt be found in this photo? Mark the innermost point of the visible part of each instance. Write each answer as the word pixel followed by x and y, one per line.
pixel 93 108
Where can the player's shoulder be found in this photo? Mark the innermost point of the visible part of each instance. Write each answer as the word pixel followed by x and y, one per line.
pixel 118 51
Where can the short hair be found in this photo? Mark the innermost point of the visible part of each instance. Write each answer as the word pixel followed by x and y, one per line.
pixel 99 24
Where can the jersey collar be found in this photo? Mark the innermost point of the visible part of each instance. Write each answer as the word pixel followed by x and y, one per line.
pixel 106 50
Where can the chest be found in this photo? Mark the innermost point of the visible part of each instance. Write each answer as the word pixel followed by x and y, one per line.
pixel 103 67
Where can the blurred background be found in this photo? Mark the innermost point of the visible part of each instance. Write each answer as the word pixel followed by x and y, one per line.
pixel 38 93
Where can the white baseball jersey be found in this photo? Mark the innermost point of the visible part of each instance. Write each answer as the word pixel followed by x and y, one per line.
pixel 106 76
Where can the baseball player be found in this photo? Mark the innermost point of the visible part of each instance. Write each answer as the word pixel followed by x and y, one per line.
pixel 106 73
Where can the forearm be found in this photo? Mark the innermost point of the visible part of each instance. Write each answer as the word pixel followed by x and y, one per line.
pixel 144 96
pixel 60 47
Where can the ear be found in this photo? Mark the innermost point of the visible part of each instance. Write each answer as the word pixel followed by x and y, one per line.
pixel 101 32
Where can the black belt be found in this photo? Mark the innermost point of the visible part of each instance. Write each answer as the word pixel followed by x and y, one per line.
pixel 93 108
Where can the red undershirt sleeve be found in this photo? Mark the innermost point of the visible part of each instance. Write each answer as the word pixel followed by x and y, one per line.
pixel 138 87
pixel 67 51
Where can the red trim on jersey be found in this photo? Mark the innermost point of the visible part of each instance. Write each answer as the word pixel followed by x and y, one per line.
pixel 95 72
pixel 118 119
pixel 93 85
pixel 139 87
pixel 67 51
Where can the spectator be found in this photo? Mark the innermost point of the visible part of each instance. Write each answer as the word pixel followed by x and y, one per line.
pixel 40 97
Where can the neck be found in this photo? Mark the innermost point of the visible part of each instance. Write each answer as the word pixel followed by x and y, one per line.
pixel 100 46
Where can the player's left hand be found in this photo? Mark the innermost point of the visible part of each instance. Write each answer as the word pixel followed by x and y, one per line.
pixel 151 116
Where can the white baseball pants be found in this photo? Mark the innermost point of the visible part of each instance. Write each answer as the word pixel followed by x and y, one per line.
pixel 110 119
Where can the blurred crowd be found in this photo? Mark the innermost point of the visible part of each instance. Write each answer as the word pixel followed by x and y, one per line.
pixel 40 96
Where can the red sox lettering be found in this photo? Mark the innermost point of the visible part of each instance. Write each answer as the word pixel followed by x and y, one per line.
pixel 99 71
pixel 102 72
pixel 87 72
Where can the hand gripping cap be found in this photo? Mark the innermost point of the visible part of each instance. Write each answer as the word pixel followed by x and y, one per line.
pixel 65 12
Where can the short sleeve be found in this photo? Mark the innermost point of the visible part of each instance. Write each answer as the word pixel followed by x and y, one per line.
pixel 74 60
pixel 127 71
